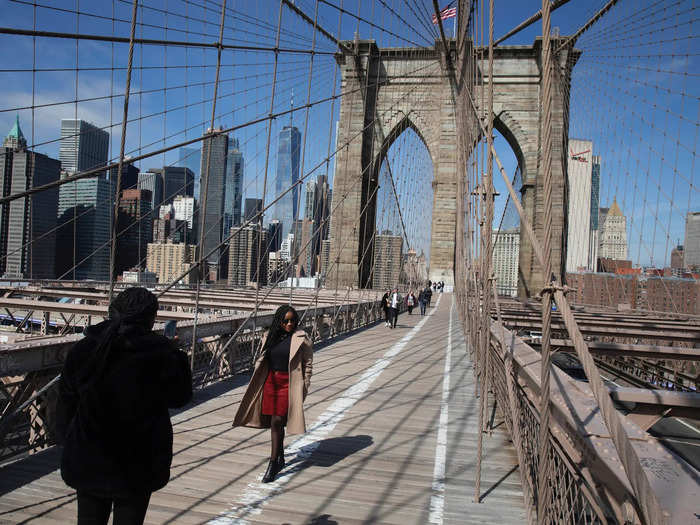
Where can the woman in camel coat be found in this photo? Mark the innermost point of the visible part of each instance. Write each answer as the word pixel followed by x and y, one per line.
pixel 276 392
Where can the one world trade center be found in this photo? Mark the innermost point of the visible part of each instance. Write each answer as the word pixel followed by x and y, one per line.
pixel 287 208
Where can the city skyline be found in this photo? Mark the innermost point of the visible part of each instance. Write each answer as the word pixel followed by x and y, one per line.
pixel 653 228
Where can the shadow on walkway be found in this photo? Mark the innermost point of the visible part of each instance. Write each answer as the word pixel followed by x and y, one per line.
pixel 328 452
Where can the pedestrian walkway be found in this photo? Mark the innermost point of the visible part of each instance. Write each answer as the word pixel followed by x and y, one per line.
pixel 389 441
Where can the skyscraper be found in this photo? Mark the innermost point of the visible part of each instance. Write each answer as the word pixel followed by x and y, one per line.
pixel 595 203
pixel 274 235
pixel 83 146
pixel 82 240
pixel 310 200
pixel 252 208
pixel 506 254
pixel 579 176
pixel 152 182
pixel 613 234
pixel 84 206
pixel 277 268
pixel 130 176
pixel 135 229
pixel 185 210
pixel 168 261
pixel 245 258
pixel 678 258
pixel 321 212
pixel 286 209
pixel 307 261
pixel 27 236
pixel 176 181
pixel 215 194
pixel 325 258
pixel 388 254
pixel 691 246
pixel 316 210
pixel 191 158
pixel 234 184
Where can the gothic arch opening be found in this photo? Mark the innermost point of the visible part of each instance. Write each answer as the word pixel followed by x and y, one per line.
pixel 404 206
pixel 506 221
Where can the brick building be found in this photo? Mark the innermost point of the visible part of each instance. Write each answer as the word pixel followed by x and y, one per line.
pixel 672 295
pixel 608 265
pixel 603 289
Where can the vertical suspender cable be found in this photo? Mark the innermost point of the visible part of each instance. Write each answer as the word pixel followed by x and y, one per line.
pixel 203 209
pixel 267 158
pixel 486 190
pixel 303 148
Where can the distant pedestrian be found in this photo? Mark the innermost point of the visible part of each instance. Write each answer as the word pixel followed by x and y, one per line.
pixel 428 295
pixel 279 385
pixel 410 302
pixel 387 308
pixel 114 393
pixel 422 301
pixel 395 304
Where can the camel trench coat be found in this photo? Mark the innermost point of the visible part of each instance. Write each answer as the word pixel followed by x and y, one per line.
pixel 301 357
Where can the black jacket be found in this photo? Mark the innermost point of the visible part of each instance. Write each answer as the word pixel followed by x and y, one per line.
pixel 385 301
pixel 117 436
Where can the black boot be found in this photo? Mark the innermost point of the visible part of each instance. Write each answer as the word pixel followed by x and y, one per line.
pixel 280 462
pixel 271 472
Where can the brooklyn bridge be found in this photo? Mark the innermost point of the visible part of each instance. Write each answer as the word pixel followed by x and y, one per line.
pixel 532 165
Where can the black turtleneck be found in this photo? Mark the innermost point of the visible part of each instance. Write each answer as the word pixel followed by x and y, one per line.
pixel 278 355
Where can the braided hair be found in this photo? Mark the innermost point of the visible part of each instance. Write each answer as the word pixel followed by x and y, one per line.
pixel 276 333
pixel 131 313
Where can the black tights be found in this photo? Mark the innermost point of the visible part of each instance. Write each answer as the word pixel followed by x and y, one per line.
pixel 95 510
pixel 277 424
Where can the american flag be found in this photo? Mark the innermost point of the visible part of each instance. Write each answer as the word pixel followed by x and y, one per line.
pixel 447 12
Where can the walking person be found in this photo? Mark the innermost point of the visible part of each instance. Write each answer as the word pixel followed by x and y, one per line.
pixel 114 393
pixel 410 302
pixel 394 304
pixel 428 295
pixel 387 308
pixel 279 385
pixel 422 301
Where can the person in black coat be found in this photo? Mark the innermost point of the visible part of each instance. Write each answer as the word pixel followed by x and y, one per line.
pixel 422 301
pixel 386 307
pixel 114 393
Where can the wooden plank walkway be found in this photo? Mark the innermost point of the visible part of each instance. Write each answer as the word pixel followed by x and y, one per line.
pixel 374 416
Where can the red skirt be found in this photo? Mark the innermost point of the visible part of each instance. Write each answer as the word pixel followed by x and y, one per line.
pixel 275 401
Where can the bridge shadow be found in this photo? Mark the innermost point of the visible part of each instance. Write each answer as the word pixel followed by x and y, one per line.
pixel 29 469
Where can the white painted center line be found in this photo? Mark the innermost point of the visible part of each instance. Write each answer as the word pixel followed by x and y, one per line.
pixel 258 494
pixel 437 499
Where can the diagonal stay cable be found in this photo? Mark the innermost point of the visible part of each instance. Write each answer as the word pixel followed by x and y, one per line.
pixel 120 164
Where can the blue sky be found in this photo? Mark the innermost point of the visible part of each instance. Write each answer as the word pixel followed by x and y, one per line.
pixel 618 97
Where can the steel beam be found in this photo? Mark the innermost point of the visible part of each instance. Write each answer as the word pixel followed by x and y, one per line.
pixel 621 349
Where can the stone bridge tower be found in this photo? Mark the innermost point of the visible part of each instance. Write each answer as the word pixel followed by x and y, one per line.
pixel 386 91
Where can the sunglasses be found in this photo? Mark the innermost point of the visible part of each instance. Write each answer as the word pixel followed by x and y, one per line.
pixel 287 321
